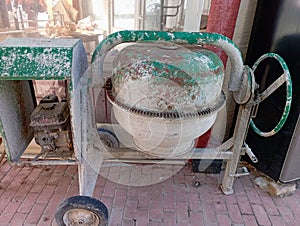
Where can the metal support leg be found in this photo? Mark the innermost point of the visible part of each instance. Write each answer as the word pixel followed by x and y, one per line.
pixel 87 177
pixel 92 150
pixel 239 136
pixel 90 164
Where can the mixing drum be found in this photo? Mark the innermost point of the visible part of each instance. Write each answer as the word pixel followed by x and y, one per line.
pixel 166 95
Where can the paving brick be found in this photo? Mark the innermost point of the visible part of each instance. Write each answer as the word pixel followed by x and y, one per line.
pixel 239 188
pixel 169 218
pixel 47 218
pixel 180 192
pixel 133 192
pixel 108 201
pixel 126 222
pixel 72 171
pixel 18 219
pixel 279 201
pixel 130 208
pixel 57 175
pixel 235 214
pixel 142 217
pixel 219 203
pixel 39 184
pixel 46 194
pixel 209 213
pixel 48 170
pixel 24 189
pixel 192 196
pixel 98 191
pixel 195 206
pixel 244 204
pixel 276 221
pixel 5 167
pixel 11 174
pixel 73 188
pixel 34 174
pixel 250 220
pixel 35 213
pixel 109 189
pixel 28 203
pixel 156 210
pixel 64 184
pixel 119 197
pixel 287 215
pixel 155 223
pixel 169 201
pixel 29 196
pixel 144 198
pixel 100 181
pixel 261 215
pixel 294 206
pixel 196 218
pixel 9 212
pixel 44 221
pixel 52 205
pixel 6 198
pixel 269 205
pixel 157 192
pixel 24 173
pixel 230 199
pixel 182 211
pixel 223 219
pixel 116 216
pixel 253 196
pixel 179 178
pixel 168 184
pixel 184 223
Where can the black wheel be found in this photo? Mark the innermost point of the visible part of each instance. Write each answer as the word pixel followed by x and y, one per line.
pixel 81 211
pixel 108 138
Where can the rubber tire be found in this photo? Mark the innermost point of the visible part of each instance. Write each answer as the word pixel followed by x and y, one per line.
pixel 82 202
pixel 110 137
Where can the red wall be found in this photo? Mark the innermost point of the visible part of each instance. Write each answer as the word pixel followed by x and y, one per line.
pixel 222 19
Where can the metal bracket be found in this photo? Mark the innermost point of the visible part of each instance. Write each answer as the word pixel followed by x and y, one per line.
pixel 241 171
pixel 250 153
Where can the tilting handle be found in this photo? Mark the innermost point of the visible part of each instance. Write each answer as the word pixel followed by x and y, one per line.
pixel 196 38
pixel 285 77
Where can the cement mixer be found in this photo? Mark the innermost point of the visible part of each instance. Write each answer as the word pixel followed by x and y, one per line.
pixel 165 88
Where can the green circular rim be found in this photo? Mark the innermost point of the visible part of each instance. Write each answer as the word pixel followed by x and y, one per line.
pixel 288 102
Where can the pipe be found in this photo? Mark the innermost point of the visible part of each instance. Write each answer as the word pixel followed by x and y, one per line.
pixel 196 38
pixel 222 19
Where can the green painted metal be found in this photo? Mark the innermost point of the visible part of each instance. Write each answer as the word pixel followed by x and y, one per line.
pixel 23 59
pixel 193 38
pixel 289 92
pixel 30 58
pixel 186 78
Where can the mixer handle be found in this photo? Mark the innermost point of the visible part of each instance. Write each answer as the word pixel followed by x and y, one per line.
pixel 285 77
pixel 196 38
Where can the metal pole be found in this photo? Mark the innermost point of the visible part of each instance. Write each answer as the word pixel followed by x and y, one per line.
pixel 162 18
pixel 239 136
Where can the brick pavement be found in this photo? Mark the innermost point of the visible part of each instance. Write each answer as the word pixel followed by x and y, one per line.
pixel 30 195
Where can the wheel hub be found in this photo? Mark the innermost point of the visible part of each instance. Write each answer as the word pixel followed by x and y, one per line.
pixel 80 217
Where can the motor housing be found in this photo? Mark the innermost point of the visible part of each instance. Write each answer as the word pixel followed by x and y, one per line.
pixel 51 123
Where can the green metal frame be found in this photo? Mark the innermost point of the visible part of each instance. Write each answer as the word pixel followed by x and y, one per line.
pixel 25 59
pixel 193 38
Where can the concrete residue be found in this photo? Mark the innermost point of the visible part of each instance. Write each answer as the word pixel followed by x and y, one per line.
pixel 275 188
